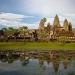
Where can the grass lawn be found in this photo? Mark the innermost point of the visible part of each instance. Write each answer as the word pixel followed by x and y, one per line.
pixel 36 45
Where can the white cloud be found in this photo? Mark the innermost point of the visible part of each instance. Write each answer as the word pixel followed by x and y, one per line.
pixel 14 20
pixel 42 8
pixel 12 16
pixel 48 7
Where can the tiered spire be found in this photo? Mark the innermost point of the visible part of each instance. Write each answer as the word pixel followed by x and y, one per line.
pixel 65 25
pixel 56 22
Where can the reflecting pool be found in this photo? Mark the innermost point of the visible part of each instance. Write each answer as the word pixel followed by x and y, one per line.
pixel 36 63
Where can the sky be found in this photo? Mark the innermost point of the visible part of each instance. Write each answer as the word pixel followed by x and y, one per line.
pixel 17 13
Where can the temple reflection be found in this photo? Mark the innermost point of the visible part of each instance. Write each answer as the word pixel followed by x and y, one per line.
pixel 47 62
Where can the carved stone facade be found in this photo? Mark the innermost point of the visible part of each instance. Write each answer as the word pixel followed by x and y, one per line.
pixel 56 28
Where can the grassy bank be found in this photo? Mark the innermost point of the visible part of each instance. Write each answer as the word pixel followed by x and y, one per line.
pixel 36 45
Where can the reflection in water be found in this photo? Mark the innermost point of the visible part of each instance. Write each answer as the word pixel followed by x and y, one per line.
pixel 36 63
pixel 62 70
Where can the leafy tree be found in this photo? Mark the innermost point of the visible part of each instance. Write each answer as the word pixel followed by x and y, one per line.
pixel 44 19
pixel 8 31
pixel 41 25
pixel 43 35
pixel 62 39
pixel 16 34
pixel 1 32
pixel 70 27
pixel 35 35
pixel 23 30
pixel 1 35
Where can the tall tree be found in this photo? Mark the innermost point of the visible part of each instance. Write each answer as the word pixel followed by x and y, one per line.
pixel 41 25
pixel 1 33
pixel 35 35
pixel 70 26
pixel 42 33
pixel 16 34
pixel 5 31
pixel 10 31
pixel 23 30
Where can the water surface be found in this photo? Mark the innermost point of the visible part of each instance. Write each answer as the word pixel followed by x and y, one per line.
pixel 35 64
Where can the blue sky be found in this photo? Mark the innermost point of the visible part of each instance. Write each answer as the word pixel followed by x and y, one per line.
pixel 16 13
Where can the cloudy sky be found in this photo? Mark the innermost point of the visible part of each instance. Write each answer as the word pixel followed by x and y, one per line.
pixel 15 13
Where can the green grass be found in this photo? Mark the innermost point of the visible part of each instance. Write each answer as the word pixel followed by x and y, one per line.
pixel 36 45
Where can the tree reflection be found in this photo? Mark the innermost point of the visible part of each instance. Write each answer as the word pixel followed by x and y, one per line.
pixel 24 60
pixel 43 58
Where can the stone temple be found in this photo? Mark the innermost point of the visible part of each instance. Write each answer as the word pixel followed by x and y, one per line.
pixel 56 30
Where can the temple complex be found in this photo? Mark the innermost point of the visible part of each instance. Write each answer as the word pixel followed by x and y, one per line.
pixel 56 30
